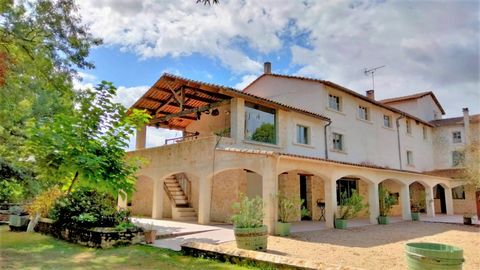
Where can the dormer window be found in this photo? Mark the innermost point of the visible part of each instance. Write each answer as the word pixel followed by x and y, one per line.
pixel 334 102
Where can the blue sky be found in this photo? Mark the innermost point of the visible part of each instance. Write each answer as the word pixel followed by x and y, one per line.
pixel 425 45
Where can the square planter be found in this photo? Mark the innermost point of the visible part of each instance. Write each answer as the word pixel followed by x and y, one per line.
pixel 283 229
pixel 18 223
pixel 340 223
pixel 469 220
pixel 415 216
pixel 383 220
pixel 150 236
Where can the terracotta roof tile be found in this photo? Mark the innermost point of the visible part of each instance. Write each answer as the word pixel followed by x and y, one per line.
pixel 455 120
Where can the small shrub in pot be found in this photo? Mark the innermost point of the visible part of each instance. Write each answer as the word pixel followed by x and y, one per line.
pixel 250 233
pixel 348 208
pixel 288 208
pixel 386 202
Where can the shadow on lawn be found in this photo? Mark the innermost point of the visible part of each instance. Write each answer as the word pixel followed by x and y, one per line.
pixel 376 235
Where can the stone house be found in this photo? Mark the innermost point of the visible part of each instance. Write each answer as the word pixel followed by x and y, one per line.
pixel 303 137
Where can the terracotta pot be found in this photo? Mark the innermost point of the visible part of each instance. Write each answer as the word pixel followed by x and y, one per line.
pixel 150 236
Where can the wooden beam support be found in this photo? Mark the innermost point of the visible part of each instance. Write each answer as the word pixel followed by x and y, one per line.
pixel 190 96
pixel 187 112
pixel 184 116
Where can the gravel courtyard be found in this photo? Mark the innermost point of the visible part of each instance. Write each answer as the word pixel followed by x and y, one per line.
pixel 376 246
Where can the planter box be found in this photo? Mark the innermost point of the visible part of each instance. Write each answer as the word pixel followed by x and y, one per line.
pixel 94 237
pixel 415 216
pixel 283 229
pixel 251 238
pixel 469 220
pixel 383 220
pixel 340 223
pixel 150 236
pixel 18 223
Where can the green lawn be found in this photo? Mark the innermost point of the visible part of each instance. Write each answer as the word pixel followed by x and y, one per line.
pixel 37 251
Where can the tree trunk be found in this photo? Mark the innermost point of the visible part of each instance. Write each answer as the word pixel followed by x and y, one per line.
pixel 73 182
pixel 33 222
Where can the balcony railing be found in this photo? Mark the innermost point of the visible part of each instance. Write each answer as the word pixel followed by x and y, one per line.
pixel 187 136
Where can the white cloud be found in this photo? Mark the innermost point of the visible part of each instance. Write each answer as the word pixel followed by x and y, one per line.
pixel 425 45
pixel 246 80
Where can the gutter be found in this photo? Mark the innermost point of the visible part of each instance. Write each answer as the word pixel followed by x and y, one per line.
pixel 325 136
pixel 398 139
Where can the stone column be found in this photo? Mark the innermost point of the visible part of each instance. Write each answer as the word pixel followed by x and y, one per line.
pixel 373 203
pixel 122 200
pixel 141 138
pixel 449 201
pixel 237 120
pixel 405 200
pixel 204 199
pixel 158 192
pixel 269 189
pixel 429 202
pixel 330 187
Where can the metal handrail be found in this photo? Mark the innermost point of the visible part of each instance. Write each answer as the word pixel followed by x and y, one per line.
pixel 186 136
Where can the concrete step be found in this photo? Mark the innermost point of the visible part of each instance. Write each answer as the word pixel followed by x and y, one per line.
pixel 184 202
pixel 177 193
pixel 184 209
pixel 179 197
pixel 172 184
pixel 187 214
pixel 186 218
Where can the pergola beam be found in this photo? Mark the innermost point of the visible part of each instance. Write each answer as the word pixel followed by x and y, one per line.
pixel 195 97
pixel 187 112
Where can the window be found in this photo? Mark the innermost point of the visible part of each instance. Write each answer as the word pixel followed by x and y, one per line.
pixel 303 134
pixel 425 134
pixel 410 158
pixel 260 123
pixel 457 158
pixel 363 113
pixel 387 121
pixel 458 193
pixel 338 141
pixel 345 186
pixel 334 102
pixel 457 137
pixel 409 126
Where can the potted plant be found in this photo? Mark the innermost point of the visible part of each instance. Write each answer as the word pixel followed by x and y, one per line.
pixel 18 218
pixel 305 214
pixel 469 219
pixel 415 208
pixel 386 202
pixel 150 234
pixel 349 208
pixel 250 233
pixel 288 208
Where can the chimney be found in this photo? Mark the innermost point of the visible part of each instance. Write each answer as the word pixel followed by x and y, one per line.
pixel 466 125
pixel 267 68
pixel 371 94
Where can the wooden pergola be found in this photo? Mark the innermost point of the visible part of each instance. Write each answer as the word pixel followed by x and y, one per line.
pixel 174 102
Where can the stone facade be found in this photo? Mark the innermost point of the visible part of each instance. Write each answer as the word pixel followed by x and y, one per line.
pixel 226 189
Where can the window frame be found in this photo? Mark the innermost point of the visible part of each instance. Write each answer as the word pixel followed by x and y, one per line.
pixel 389 121
pixel 363 111
pixel 342 142
pixel 350 181
pixel 410 160
pixel 339 103
pixel 308 134
pixel 408 126
pixel 455 194
pixel 264 109
pixel 459 139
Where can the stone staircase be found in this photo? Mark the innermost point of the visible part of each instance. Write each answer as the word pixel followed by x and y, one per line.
pixel 181 209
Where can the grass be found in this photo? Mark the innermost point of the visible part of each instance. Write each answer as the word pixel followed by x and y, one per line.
pixel 21 250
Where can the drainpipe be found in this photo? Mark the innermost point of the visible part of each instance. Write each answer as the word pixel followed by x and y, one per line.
pixel 325 134
pixel 398 139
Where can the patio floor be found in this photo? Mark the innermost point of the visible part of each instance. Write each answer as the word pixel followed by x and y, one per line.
pixel 174 233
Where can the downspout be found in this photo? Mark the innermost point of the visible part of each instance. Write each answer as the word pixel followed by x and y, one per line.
pixel 325 136
pixel 397 121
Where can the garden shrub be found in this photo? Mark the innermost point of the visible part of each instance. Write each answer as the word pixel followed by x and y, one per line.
pixel 87 209
pixel 44 202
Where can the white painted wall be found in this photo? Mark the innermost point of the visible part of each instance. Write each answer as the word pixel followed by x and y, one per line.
pixel 366 142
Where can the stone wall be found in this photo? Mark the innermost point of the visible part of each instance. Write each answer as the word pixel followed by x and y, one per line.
pixel 142 198
pixel 467 205
pixel 96 237
pixel 393 187
pixel 226 188
pixel 416 190
pixel 318 193
pixel 289 185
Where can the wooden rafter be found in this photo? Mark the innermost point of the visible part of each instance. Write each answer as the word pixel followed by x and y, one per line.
pixel 187 112
pixel 194 97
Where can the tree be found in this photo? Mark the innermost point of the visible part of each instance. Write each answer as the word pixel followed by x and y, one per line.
pixel 85 146
pixel 265 133
pixel 471 171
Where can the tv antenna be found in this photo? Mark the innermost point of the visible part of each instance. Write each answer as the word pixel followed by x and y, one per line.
pixel 372 71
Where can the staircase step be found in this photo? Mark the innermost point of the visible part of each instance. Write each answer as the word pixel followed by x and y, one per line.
pixel 185 209
pixel 179 197
pixel 184 202
pixel 172 184
pixel 187 214
pixel 186 218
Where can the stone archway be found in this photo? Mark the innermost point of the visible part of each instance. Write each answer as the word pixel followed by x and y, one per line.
pixel 418 197
pixel 394 187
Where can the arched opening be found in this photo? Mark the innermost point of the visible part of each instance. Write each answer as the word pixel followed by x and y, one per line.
pixel 346 185
pixel 394 189
pixel 418 197
pixel 227 187
pixel 439 200
pixel 306 186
